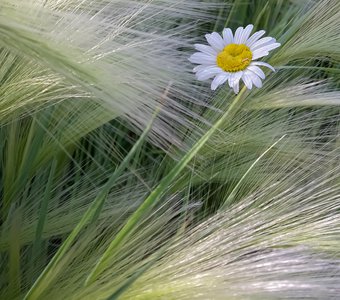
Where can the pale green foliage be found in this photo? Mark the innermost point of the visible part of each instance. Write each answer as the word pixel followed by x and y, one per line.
pixel 224 197
pixel 278 242
pixel 316 34
pixel 99 50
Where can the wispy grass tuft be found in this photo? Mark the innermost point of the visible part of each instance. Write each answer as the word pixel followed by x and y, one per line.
pixel 279 242
pixel 218 196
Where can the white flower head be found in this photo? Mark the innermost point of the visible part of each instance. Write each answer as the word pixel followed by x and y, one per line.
pixel 233 57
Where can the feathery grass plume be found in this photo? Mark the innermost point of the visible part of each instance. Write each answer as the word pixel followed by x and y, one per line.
pixel 104 51
pixel 279 242
pixel 68 68
pixel 314 34
pixel 102 60
pixel 261 197
pixel 306 115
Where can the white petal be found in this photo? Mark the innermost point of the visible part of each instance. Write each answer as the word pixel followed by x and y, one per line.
pixel 202 67
pixel 269 47
pixel 202 58
pixel 208 73
pixel 234 77
pixel 261 63
pixel 219 79
pixel 261 42
pixel 246 33
pixel 255 37
pixel 205 49
pixel 228 36
pixel 236 87
pixel 247 81
pixel 257 71
pixel 215 41
pixel 231 79
pixel 238 35
pixel 259 53
pixel 256 80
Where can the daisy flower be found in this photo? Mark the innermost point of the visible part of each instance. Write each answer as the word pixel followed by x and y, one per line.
pixel 233 57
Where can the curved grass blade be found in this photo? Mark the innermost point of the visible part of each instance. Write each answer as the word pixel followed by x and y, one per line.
pixel 232 195
pixel 156 194
pixel 90 216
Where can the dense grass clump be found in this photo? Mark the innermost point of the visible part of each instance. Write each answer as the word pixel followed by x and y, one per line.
pixel 122 177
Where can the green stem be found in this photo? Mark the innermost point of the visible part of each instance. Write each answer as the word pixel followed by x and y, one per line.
pixel 92 213
pixel 156 194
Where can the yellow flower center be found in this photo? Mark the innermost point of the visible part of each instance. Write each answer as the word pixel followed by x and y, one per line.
pixel 234 58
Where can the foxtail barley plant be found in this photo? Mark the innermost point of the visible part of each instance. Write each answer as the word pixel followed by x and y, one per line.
pixel 135 167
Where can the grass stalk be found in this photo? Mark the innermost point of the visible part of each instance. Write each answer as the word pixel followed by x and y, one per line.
pixel 156 194
pixel 90 216
pixel 232 195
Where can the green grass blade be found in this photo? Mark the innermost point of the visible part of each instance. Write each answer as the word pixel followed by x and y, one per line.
pixel 90 216
pixel 155 195
pixel 14 255
pixel 36 249
pixel 232 195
